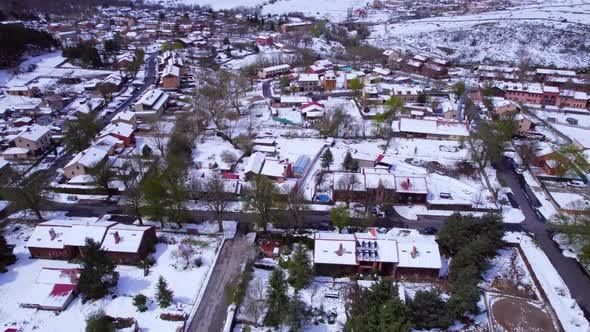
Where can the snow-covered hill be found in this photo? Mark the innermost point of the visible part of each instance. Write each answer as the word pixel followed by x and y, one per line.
pixel 556 34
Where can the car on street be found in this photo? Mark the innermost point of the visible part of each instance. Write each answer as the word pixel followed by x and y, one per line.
pixel 429 231
pixel 576 184
pixel 519 169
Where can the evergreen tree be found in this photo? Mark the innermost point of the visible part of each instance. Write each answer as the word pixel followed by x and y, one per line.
pixel 377 308
pixel 154 198
pixel 459 90
pixel 300 268
pixel 347 162
pixel 428 310
pixel 146 152
pixel 297 313
pixel 98 273
pixel 472 242
pixel 327 159
pixel 277 298
pixel 340 217
pixel 164 295
pixel 6 255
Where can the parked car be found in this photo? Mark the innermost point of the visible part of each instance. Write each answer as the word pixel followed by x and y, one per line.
pixel 358 207
pixel 390 212
pixel 576 184
pixel 430 231
pixel 376 211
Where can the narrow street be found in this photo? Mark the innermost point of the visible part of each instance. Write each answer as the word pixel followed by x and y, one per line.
pixel 569 269
pixel 211 313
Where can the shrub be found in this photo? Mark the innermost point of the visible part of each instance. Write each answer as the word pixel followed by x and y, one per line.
pixel 198 261
pixel 140 301
pixel 99 322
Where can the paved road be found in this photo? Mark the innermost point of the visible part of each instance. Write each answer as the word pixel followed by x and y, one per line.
pixel 569 269
pixel 210 316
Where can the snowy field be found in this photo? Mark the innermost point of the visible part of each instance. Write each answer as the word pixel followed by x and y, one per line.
pixel 131 282
pixel 334 10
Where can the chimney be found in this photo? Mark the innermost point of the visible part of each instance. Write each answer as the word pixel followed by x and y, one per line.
pixel 414 252
pixel 340 250
pixel 52 234
pixel 372 231
pixel 118 238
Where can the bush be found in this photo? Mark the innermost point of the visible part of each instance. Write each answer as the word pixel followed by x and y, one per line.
pixel 99 322
pixel 148 262
pixel 140 301
pixel 198 261
pixel 286 250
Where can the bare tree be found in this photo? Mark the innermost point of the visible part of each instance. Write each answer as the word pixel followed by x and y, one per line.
pixel 159 137
pixel 256 300
pixel 102 175
pixel 296 206
pixel 215 198
pixel 27 196
pixel 131 177
pixel 346 185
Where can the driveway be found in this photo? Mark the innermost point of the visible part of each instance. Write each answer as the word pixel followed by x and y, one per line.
pixel 211 313
pixel 569 269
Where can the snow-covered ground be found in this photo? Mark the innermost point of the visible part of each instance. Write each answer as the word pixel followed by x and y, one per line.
pixel 569 248
pixel 569 313
pixel 334 10
pixel 131 282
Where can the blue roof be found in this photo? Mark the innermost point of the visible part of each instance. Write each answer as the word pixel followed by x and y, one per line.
pixel 301 164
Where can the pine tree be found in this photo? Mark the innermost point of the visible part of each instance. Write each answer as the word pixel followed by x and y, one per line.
pixel 347 162
pixel 428 310
pixel 277 298
pixel 327 159
pixel 300 268
pixel 377 308
pixel 98 272
pixel 297 313
pixel 6 255
pixel 164 295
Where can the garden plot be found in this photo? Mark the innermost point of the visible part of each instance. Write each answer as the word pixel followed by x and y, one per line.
pixel 516 314
pixel 254 307
pixel 289 148
pixel 431 149
pixel 215 152
pixel 169 264
pixel 509 275
pixel 323 294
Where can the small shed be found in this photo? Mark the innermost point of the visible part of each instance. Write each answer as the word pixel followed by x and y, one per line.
pixel 54 289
